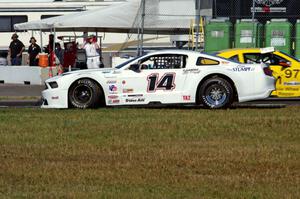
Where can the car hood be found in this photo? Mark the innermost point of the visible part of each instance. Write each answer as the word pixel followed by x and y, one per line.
pixel 83 72
pixel 89 71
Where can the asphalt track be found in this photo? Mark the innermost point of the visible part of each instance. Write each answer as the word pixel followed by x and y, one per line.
pixel 17 95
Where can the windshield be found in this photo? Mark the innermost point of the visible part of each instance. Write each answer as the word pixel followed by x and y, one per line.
pixel 125 63
pixel 290 56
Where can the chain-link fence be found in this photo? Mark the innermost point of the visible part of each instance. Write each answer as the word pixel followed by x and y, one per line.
pixel 163 24
pixel 261 23
pixel 265 10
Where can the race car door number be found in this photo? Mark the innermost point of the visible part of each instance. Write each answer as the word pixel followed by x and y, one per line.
pixel 166 82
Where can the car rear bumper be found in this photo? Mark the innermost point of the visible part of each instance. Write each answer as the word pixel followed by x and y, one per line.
pixel 263 90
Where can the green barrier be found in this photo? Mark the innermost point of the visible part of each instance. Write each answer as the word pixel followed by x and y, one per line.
pixel 217 35
pixel 248 34
pixel 297 40
pixel 278 35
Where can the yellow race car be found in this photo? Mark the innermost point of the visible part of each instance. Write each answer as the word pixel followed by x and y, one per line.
pixel 286 68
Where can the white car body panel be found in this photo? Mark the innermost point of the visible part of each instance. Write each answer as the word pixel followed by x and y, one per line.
pixel 167 86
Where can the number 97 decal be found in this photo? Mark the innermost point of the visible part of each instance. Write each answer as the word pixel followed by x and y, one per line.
pixel 166 82
pixel 289 73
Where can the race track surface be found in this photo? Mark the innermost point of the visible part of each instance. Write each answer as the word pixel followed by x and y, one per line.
pixel 16 95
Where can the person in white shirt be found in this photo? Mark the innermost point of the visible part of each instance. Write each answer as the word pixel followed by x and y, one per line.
pixel 91 49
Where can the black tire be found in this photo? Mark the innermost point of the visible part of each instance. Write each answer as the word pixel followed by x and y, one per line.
pixel 85 93
pixel 216 93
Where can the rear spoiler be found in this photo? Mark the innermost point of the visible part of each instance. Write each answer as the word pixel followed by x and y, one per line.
pixel 267 50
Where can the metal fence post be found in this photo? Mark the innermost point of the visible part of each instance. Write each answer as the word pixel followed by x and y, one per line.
pixel 253 18
pixel 141 29
pixel 197 20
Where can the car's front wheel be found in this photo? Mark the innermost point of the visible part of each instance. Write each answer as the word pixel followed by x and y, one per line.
pixel 216 93
pixel 85 93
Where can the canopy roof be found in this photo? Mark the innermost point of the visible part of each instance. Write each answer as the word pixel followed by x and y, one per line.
pixel 122 18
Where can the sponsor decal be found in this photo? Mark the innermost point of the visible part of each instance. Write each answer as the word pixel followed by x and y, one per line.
pixel 186 98
pixel 291 89
pixel 269 2
pixel 267 6
pixel 291 83
pixel 137 95
pixel 114 101
pixel 106 71
pixel 127 90
pixel 285 94
pixel 55 97
pixel 112 97
pixel 191 70
pixel 135 100
pixel 113 88
pixel 225 62
pixel 241 68
pixel 111 82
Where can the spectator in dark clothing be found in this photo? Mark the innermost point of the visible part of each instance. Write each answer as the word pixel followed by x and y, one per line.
pixel 49 49
pixel 15 50
pixel 49 46
pixel 59 53
pixel 33 51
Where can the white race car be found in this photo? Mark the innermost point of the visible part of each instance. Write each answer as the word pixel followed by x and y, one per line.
pixel 163 77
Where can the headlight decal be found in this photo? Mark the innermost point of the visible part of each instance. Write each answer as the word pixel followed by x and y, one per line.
pixel 53 84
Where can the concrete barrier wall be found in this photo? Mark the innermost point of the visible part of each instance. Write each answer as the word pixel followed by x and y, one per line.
pixel 24 75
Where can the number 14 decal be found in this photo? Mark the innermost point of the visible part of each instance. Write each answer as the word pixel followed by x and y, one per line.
pixel 166 82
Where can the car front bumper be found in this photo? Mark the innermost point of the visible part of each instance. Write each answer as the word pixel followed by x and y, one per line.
pixel 55 98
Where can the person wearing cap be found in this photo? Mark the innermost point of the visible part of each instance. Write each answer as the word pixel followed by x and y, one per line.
pixel 33 52
pixel 15 50
pixel 91 49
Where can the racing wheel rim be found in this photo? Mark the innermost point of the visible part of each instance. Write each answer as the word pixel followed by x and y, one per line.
pixel 216 95
pixel 82 94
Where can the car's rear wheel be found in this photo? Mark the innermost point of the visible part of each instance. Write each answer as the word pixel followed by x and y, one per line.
pixel 85 93
pixel 216 93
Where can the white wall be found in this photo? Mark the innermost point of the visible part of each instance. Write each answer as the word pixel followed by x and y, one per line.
pixel 22 74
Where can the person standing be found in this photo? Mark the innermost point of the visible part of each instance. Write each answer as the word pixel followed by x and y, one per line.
pixel 50 50
pixel 15 50
pixel 59 58
pixel 33 52
pixel 91 49
pixel 59 53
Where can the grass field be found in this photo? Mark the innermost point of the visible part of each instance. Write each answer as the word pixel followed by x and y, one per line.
pixel 150 153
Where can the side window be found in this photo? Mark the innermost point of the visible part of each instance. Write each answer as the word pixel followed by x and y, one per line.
pixel 275 60
pixel 8 22
pixel 5 22
pixel 235 58
pixel 202 61
pixel 267 58
pixel 48 16
pixel 168 61
pixel 252 58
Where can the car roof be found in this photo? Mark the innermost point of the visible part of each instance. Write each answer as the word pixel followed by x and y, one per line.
pixel 190 52
pixel 175 51
pixel 187 52
pixel 240 50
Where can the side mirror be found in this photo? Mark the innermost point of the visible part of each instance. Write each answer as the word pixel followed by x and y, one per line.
pixel 134 67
